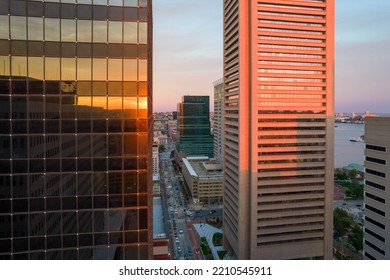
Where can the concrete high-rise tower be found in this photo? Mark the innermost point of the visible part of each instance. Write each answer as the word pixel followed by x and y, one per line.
pixel 218 120
pixel 75 129
pixel 376 188
pixel 278 126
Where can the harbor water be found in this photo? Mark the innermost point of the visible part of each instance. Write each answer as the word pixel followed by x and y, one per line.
pixel 347 152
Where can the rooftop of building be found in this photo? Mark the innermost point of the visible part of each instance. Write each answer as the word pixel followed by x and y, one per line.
pixel 203 167
pixel 158 225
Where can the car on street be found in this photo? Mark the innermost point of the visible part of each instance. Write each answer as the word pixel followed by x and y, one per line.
pixel 179 249
pixel 180 231
pixel 177 239
pixel 190 253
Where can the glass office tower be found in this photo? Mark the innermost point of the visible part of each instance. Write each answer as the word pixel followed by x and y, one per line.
pixel 194 126
pixel 75 129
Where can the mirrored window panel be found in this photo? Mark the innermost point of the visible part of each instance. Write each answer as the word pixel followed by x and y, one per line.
pixel 84 1
pixel 99 69
pixel 142 89
pixel 52 68
pixel 99 102
pixel 5 62
pixel 84 88
pixel 130 32
pixel 19 66
pixel 68 69
pixel 4 29
pixel 130 70
pixel 115 69
pixel 115 88
pixel 84 71
pixel 35 28
pixel 143 3
pixel 52 29
pixel 99 88
pixel 100 31
pixel 114 107
pixel 115 32
pixel 100 2
pixel 130 3
pixel 142 107
pixel 142 32
pixel 35 68
pixel 142 70
pixel 68 30
pixel 84 107
pixel 115 2
pixel 84 31
pixel 130 107
pixel 18 28
pixel 130 88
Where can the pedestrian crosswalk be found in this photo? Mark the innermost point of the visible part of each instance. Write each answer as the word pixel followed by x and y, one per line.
pixel 180 221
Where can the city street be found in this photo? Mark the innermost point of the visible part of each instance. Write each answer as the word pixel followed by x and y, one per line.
pixel 174 208
pixel 179 214
pixel 353 207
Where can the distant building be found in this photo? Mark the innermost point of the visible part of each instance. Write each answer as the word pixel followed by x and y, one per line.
pixel 155 158
pixel 204 179
pixel 172 128
pixel 163 140
pixel 376 244
pixel 156 186
pixel 194 135
pixel 174 115
pixel 218 120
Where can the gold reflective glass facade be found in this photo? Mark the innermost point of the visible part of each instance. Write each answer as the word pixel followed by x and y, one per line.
pixel 75 129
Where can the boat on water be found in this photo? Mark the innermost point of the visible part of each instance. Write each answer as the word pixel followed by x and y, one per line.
pixel 357 139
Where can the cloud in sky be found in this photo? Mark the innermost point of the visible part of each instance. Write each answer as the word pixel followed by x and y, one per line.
pixel 188 52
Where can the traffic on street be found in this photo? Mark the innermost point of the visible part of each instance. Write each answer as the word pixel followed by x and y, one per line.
pixel 179 213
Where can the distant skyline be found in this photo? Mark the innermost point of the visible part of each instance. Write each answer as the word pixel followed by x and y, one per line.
pixel 188 53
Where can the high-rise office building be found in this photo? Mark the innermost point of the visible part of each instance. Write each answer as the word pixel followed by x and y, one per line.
pixel 75 129
pixel 278 125
pixel 156 161
pixel 218 120
pixel 193 122
pixel 376 188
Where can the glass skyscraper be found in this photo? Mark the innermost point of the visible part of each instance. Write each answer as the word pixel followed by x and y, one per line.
pixel 75 129
pixel 194 126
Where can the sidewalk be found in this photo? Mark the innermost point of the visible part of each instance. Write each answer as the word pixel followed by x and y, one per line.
pixel 195 238
pixel 207 231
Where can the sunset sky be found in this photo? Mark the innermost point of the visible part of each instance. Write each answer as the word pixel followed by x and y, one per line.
pixel 188 52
